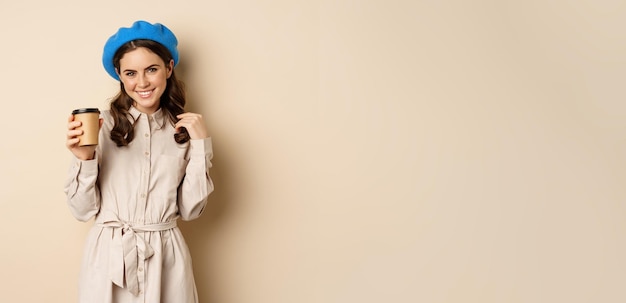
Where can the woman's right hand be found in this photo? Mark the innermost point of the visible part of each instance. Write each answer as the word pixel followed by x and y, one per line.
pixel 81 152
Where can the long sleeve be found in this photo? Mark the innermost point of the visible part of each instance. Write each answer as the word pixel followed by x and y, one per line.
pixel 197 184
pixel 83 195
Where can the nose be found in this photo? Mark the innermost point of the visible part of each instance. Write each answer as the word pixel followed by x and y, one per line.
pixel 142 81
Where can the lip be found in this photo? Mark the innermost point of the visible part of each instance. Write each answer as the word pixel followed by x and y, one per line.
pixel 145 94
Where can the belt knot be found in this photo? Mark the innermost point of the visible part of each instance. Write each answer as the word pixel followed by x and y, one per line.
pixel 128 248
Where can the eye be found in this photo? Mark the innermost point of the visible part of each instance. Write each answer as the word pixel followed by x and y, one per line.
pixel 129 74
pixel 152 69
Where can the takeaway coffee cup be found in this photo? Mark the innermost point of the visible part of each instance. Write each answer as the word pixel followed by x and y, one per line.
pixel 90 117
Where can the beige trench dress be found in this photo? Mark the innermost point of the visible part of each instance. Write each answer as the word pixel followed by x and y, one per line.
pixel 134 252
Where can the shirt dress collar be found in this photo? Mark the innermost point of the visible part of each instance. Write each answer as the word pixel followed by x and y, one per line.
pixel 158 117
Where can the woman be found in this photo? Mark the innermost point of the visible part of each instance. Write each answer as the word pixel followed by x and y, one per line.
pixel 150 168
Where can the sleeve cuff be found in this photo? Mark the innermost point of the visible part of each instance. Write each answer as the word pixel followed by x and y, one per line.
pixel 201 148
pixel 86 166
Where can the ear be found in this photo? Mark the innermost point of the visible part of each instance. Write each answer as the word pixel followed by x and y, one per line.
pixel 117 71
pixel 170 68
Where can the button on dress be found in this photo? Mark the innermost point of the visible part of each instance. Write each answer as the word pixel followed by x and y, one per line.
pixel 135 252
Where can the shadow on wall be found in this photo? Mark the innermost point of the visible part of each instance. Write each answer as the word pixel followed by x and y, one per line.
pixel 200 233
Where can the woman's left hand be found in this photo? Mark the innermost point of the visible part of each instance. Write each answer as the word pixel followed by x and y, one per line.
pixel 194 123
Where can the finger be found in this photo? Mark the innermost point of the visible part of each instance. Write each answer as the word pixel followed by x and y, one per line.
pixel 179 125
pixel 74 124
pixel 184 122
pixel 70 143
pixel 188 126
pixel 188 115
pixel 74 133
pixel 191 121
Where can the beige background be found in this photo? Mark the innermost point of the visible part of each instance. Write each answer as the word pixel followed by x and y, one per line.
pixel 366 151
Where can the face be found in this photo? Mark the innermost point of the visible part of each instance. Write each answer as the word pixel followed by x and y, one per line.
pixel 144 75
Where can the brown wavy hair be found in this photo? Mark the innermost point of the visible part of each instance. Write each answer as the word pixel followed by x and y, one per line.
pixel 172 101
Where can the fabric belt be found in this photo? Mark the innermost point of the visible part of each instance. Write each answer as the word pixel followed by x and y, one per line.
pixel 128 248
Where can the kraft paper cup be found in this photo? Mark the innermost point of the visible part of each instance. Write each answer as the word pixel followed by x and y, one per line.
pixel 90 117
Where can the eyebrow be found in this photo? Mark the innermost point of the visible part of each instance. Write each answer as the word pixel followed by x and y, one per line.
pixel 132 70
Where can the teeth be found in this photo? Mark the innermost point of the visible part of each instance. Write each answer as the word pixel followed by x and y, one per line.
pixel 144 94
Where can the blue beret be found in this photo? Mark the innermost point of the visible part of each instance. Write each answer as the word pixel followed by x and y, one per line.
pixel 139 30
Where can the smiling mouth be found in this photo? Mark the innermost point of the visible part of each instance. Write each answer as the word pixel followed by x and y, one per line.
pixel 145 94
